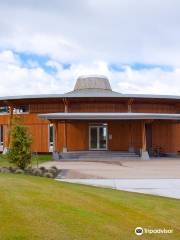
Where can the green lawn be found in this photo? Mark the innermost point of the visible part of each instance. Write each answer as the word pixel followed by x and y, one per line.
pixel 40 158
pixel 43 209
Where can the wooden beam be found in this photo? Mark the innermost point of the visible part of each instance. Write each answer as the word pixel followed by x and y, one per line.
pixel 55 136
pixel 65 105
pixel 143 136
pixel 130 102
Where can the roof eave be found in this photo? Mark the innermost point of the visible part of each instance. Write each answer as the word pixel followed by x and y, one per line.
pixel 109 116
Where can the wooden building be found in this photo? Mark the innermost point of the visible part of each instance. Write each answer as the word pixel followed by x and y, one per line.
pixel 93 117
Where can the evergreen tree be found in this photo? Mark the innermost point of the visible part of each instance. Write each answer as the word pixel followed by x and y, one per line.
pixel 20 144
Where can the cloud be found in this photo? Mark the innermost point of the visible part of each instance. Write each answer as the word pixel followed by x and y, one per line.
pixel 89 30
pixel 18 79
pixel 89 37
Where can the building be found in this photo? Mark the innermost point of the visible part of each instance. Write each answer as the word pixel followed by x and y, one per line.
pixel 93 117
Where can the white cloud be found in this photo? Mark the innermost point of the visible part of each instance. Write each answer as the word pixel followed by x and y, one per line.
pixel 90 35
pixel 90 30
pixel 16 79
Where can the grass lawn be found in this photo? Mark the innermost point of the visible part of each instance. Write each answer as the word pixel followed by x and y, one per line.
pixel 39 158
pixel 43 209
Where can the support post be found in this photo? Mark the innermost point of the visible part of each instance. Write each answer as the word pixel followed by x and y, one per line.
pixel 144 152
pixel 10 125
pixel 55 152
pixel 65 137
pixel 7 147
pixel 65 126
pixel 131 147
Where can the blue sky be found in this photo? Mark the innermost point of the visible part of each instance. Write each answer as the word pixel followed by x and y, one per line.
pixel 31 60
pixel 44 47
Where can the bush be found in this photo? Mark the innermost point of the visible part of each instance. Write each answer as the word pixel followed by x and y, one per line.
pixel 28 170
pixel 43 169
pixel 4 170
pixel 48 175
pixel 52 170
pixel 19 171
pixel 20 145
pixel 54 167
pixel 12 169
pixel 37 172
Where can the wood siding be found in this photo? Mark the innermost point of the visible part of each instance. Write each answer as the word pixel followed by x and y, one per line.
pixel 125 134
pixel 46 108
pixel 97 107
pixel 78 135
pixel 166 135
pixel 153 108
pixel 37 127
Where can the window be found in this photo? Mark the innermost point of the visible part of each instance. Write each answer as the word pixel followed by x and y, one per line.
pixel 1 134
pixel 51 137
pixel 21 109
pixel 3 109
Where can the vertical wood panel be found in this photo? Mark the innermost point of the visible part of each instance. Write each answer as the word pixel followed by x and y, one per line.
pixel 77 136
pixel 120 136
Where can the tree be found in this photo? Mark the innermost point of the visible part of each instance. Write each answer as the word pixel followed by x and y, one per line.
pixel 20 145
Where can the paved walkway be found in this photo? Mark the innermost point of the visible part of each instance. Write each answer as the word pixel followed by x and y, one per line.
pixel 135 169
pixel 161 187
pixel 155 176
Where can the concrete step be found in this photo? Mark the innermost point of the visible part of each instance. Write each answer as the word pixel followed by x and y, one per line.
pixel 97 155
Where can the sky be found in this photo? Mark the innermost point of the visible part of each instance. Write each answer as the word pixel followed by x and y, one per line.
pixel 45 45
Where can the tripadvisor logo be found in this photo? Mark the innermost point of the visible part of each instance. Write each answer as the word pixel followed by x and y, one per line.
pixel 139 231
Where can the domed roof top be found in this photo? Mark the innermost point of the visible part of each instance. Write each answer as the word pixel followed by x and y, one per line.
pixel 92 82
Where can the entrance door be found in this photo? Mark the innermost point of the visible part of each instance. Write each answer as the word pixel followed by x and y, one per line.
pixel 98 137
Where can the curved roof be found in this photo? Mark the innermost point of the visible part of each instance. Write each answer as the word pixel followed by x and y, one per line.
pixel 92 82
pixel 90 94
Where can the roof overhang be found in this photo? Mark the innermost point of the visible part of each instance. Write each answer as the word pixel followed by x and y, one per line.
pixel 90 93
pixel 109 116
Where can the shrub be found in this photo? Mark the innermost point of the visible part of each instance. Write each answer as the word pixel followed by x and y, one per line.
pixel 43 169
pixel 54 167
pixel 28 170
pixel 37 172
pixel 48 175
pixel 20 145
pixel 52 170
pixel 12 169
pixel 5 170
pixel 19 171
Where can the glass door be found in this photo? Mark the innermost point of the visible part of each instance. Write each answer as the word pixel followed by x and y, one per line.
pixel 103 137
pixel 98 137
pixel 93 138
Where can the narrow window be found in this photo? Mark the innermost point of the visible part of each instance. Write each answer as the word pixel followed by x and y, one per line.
pixel 1 135
pixel 51 137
